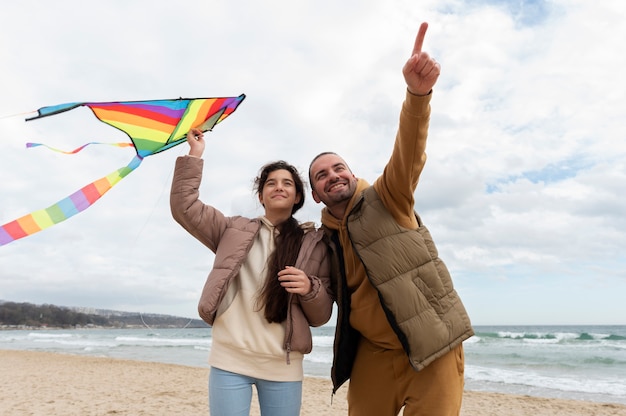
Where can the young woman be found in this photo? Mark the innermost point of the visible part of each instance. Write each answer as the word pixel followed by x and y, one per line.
pixel 269 283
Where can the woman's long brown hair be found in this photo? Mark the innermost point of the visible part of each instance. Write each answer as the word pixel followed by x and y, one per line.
pixel 273 296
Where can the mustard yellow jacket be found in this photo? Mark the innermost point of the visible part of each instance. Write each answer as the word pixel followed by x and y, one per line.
pixel 395 253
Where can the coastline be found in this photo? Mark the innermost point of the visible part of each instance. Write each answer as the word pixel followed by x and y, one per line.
pixel 55 383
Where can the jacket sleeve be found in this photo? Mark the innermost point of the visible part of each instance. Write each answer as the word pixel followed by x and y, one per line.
pixel 317 305
pixel 399 179
pixel 204 222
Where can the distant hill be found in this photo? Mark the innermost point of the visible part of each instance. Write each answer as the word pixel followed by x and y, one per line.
pixel 27 315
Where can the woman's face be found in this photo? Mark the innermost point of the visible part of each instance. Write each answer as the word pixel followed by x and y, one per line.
pixel 279 192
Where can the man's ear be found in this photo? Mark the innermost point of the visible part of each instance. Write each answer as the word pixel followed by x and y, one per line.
pixel 315 197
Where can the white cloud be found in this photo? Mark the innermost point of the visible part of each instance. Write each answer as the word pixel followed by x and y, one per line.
pixel 523 189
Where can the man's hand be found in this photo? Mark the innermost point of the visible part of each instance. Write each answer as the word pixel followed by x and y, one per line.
pixel 420 71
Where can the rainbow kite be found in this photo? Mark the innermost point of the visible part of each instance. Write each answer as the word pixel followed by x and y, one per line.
pixel 152 126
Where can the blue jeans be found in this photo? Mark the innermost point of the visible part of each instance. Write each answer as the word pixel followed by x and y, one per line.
pixel 230 394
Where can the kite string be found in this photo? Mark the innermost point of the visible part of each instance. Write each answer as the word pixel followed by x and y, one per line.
pixel 148 218
pixel 145 223
pixel 140 232
pixel 17 114
pixel 133 245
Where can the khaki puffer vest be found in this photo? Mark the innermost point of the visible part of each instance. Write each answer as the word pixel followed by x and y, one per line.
pixel 414 284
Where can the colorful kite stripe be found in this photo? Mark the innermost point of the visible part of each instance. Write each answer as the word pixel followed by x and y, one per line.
pixel 161 124
pixel 65 208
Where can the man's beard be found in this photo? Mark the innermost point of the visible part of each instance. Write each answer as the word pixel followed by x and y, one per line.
pixel 343 196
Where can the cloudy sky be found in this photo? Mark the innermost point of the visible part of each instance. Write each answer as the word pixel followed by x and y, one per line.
pixel 524 189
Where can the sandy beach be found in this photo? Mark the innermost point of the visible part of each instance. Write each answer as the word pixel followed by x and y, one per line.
pixel 39 383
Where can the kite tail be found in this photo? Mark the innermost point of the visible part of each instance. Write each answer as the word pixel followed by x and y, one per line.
pixel 65 208
pixel 78 149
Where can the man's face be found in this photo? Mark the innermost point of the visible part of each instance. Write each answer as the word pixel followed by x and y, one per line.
pixel 332 182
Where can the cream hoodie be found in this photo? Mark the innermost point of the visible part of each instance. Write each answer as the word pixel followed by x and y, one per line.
pixel 243 341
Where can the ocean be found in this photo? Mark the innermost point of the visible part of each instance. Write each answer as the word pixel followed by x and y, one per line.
pixel 569 362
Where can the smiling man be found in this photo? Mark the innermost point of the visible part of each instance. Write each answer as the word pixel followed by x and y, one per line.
pixel 401 324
